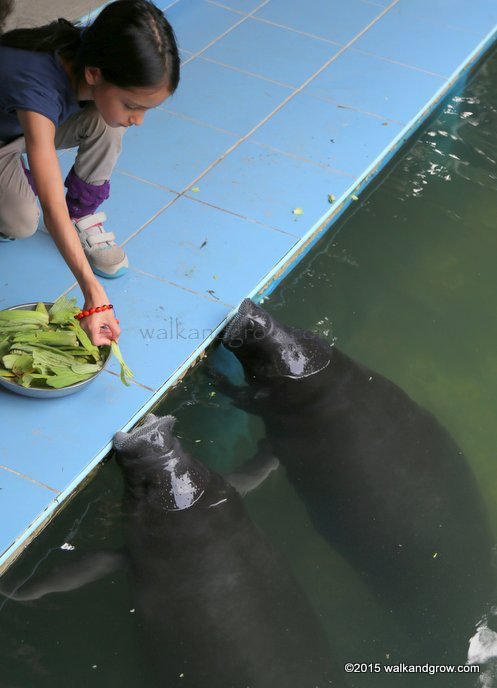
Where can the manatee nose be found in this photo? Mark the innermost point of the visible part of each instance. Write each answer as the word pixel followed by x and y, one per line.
pixel 250 324
pixel 155 433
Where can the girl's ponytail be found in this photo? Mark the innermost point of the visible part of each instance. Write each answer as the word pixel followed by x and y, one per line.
pixel 60 35
pixel 6 7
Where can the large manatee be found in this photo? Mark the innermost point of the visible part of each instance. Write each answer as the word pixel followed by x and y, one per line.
pixel 382 480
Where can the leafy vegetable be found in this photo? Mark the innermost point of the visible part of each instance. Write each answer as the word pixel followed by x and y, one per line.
pixel 49 349
pixel 125 371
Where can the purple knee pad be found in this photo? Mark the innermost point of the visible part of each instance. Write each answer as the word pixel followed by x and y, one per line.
pixel 83 198
pixel 29 177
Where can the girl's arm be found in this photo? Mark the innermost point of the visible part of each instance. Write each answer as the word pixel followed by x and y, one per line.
pixel 39 133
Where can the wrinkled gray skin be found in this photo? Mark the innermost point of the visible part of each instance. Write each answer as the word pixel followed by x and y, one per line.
pixel 382 480
pixel 216 604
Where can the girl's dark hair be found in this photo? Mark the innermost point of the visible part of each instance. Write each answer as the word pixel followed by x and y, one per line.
pixel 130 41
pixel 6 7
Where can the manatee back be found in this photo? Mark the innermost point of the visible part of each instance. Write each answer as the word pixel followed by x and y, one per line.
pixel 218 605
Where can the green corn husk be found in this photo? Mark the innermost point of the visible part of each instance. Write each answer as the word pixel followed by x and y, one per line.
pixel 63 310
pixel 50 338
pixel 41 308
pixel 85 342
pixel 17 318
pixel 4 346
pixel 49 349
pixel 6 330
pixel 25 380
pixel 125 371
pixel 18 363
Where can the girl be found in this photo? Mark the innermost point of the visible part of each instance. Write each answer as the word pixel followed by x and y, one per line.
pixel 62 86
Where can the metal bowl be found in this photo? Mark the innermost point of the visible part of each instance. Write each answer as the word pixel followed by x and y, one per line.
pixel 50 393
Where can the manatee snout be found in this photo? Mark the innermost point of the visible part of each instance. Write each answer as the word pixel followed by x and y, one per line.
pixel 154 464
pixel 153 439
pixel 251 324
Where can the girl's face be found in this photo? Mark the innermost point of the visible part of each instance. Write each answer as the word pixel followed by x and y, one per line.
pixel 122 107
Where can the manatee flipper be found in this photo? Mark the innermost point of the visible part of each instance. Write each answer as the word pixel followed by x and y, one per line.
pixel 81 570
pixel 240 395
pixel 254 471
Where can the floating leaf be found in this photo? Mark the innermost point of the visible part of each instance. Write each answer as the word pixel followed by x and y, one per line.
pixel 354 197
pixel 331 198
pixel 297 211
pixel 195 189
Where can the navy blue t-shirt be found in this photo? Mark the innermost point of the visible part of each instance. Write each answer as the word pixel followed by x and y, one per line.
pixel 36 82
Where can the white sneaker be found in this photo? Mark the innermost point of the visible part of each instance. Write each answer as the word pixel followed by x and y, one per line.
pixel 106 258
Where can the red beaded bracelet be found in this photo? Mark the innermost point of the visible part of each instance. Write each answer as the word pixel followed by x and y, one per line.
pixel 91 311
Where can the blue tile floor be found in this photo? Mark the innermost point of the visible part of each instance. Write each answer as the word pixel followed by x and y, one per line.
pixel 281 104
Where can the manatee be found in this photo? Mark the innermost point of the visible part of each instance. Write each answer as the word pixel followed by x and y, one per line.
pixel 382 480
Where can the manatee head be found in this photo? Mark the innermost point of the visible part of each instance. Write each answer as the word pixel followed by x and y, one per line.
pixel 269 351
pixel 156 468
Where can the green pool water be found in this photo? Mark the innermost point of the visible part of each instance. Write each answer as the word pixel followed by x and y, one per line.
pixel 405 283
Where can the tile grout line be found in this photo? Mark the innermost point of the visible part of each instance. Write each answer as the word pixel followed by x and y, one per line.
pixel 401 64
pixel 29 479
pixel 225 33
pixel 241 217
pixel 262 20
pixel 212 299
pixel 239 70
pixel 124 173
pixel 193 120
pixel 226 7
pixel 142 385
pixel 168 7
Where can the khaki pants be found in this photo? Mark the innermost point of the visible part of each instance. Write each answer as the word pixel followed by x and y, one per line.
pixel 98 149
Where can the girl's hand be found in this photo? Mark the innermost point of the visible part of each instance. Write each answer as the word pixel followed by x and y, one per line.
pixel 102 327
